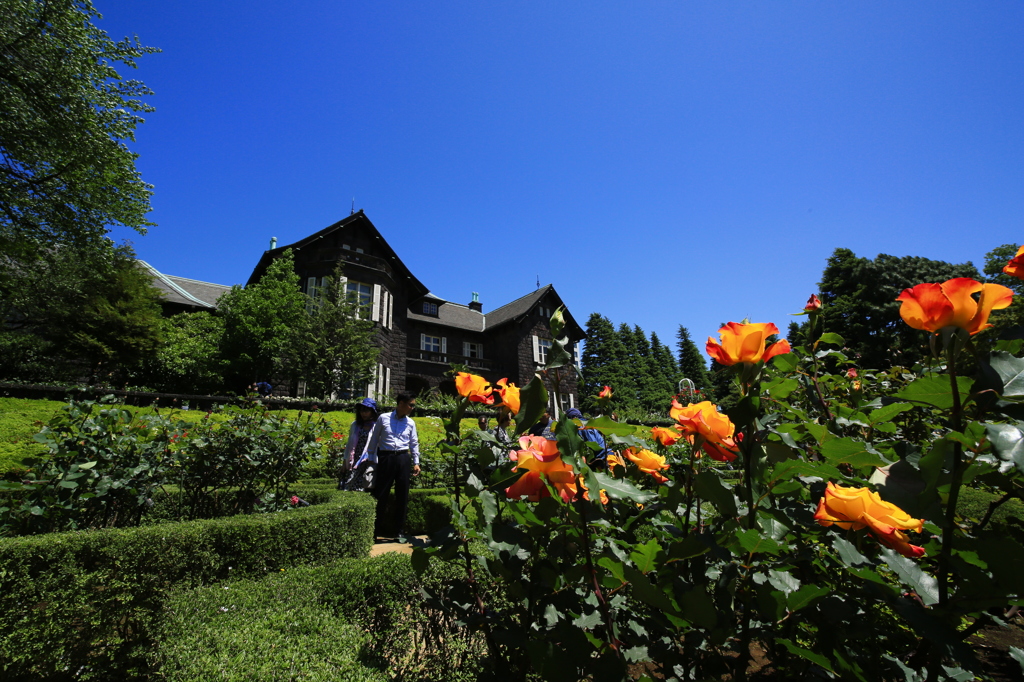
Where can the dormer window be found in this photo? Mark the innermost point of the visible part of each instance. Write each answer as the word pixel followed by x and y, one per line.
pixel 430 309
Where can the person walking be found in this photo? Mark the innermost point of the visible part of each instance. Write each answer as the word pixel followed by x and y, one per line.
pixel 394 445
pixel 358 435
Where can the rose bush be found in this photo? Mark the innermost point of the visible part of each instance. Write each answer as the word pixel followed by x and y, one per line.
pixel 790 543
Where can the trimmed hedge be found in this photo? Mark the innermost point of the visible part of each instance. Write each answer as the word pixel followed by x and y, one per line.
pixel 430 509
pixel 351 620
pixel 82 604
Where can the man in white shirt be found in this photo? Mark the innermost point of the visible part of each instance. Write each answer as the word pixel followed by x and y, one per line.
pixel 394 445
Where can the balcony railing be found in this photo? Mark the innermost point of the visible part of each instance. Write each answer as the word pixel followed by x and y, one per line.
pixel 448 358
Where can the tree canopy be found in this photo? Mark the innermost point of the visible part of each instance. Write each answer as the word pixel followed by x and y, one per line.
pixel 66 173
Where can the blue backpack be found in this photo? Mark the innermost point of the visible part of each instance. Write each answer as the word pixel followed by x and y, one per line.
pixel 595 436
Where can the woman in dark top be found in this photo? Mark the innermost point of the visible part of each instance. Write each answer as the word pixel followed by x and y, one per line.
pixel 366 415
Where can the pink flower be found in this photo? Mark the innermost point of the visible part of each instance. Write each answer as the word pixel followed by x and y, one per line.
pixel 851 373
pixel 295 500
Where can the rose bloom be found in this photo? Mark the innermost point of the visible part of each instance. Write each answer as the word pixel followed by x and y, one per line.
pixel 930 307
pixel 1015 268
pixel 509 395
pixel 531 485
pixel 474 387
pixel 861 508
pixel 606 392
pixel 538 446
pixel 745 343
pixel 648 462
pixel 665 436
pixel 615 460
pixel 851 373
pixel 716 431
pixel 813 303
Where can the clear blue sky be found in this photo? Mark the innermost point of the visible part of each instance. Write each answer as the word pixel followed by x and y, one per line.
pixel 662 163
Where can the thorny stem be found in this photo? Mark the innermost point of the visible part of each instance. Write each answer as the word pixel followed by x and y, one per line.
pixel 956 419
pixel 606 614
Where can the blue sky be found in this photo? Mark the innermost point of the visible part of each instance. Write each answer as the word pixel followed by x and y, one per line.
pixel 662 163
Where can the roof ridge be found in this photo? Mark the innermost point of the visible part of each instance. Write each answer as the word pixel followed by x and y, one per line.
pixel 174 286
pixel 532 293
pixel 199 281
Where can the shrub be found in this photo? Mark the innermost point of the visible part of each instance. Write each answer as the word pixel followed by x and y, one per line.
pixel 86 601
pixel 429 511
pixel 311 623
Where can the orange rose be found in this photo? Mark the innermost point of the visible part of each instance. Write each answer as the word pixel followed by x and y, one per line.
pixel 665 436
pixel 648 462
pixel 606 392
pixel 860 508
pixel 745 343
pixel 538 446
pixel 531 485
pixel 474 387
pixel 813 303
pixel 1015 268
pixel 509 395
pixel 714 430
pixel 930 307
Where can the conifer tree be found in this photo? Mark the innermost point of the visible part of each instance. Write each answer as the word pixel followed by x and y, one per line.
pixel 598 353
pixel 627 392
pixel 691 362
pixel 666 374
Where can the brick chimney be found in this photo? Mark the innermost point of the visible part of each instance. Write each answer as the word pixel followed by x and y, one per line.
pixel 475 304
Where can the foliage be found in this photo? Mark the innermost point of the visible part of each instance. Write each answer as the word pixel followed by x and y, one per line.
pixel 66 174
pixel 1010 321
pixel 859 297
pixel 609 573
pixel 98 308
pixel 87 601
pixel 315 623
pixel 332 347
pixel 190 359
pixel 691 361
pixel 104 463
pixel 259 323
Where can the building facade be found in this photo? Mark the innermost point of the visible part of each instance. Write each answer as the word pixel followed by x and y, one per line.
pixel 419 334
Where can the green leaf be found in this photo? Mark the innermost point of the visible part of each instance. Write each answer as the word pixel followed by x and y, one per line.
pixel 832 338
pixel 786 362
pixel 614 567
pixel 781 580
pixel 1011 372
pixel 698 608
pixel 690 547
pixel 911 574
pixel 647 591
pixel 797 467
pixel 621 489
pixel 610 427
pixel 420 560
pixel 848 554
pixel 806 654
pixel 853 452
pixel 645 556
pixel 805 595
pixel 888 412
pixel 782 388
pixel 533 401
pixel 935 391
pixel 755 543
pixel 709 486
pixel 588 621
pixel 1017 655
pixel 1008 443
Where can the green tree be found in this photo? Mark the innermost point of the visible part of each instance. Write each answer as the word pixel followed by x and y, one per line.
pixel 665 375
pixel 602 359
pixel 691 363
pixel 96 314
pixel 1008 322
pixel 259 323
pixel 629 368
pixel 332 347
pixel 859 303
pixel 66 173
pixel 190 360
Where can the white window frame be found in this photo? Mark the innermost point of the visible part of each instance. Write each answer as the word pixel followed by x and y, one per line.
pixel 440 343
pixel 363 299
pixel 478 348
pixel 541 347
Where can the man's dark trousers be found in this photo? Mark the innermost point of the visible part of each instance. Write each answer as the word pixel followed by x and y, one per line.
pixel 393 468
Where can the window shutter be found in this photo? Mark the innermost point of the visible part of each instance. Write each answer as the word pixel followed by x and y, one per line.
pixel 571 402
pixel 465 348
pixel 387 380
pixel 423 341
pixel 444 344
pixel 387 309
pixel 375 304
pixel 480 350
pixel 311 287
pixel 536 350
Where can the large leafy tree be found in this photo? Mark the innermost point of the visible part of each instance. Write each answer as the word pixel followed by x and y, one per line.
pixel 66 173
pixel 859 304
pixel 332 346
pixel 190 360
pixel 259 323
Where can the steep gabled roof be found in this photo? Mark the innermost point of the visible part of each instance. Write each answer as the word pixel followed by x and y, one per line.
pixel 519 308
pixel 401 271
pixel 184 291
pixel 452 315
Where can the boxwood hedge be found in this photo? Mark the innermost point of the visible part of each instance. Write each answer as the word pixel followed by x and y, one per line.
pixel 82 604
